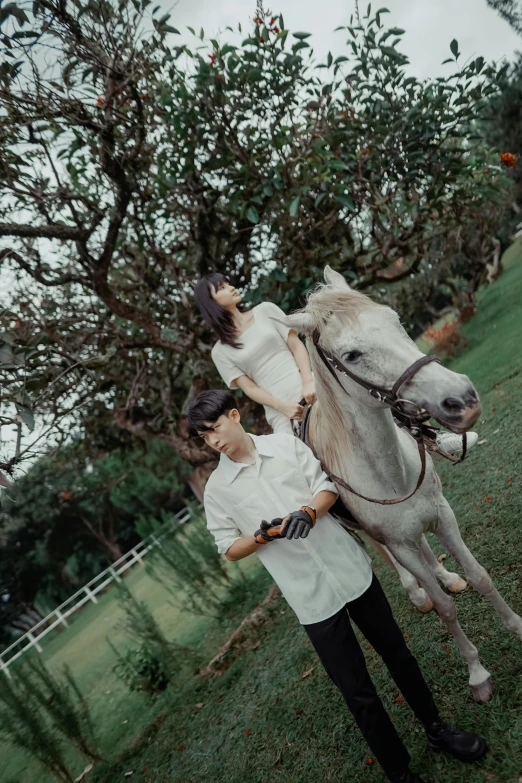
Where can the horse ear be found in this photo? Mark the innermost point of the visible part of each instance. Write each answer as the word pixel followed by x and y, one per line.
pixel 335 279
pixel 303 323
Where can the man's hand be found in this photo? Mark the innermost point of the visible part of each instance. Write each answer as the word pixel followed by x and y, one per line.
pixel 295 525
pixel 299 523
pixel 268 531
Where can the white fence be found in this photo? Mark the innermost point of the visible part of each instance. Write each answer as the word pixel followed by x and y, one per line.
pixel 87 593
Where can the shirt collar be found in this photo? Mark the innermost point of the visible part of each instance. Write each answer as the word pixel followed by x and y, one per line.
pixel 230 469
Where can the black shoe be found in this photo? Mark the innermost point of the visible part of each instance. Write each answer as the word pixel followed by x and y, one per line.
pixel 407 777
pixel 463 745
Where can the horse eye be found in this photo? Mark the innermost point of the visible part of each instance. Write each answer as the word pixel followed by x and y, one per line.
pixel 352 356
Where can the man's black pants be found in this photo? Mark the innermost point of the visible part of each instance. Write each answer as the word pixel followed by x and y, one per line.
pixel 337 646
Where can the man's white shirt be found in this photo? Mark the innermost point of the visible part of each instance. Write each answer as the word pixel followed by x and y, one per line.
pixel 317 575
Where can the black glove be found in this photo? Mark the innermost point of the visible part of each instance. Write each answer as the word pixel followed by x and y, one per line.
pixel 298 524
pixel 268 531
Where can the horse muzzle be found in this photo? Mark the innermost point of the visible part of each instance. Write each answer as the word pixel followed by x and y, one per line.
pixel 457 413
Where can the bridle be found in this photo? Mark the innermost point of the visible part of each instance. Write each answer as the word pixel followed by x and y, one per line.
pixel 414 422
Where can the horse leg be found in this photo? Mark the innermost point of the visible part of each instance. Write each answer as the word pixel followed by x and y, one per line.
pixel 449 534
pixel 451 581
pixel 412 559
pixel 417 595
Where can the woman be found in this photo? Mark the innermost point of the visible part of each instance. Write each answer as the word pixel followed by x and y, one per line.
pixel 268 361
pixel 264 358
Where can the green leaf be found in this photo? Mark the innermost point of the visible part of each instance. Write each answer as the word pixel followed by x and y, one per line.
pixel 383 11
pixel 252 214
pixel 337 164
pixel 300 45
pixel 255 74
pixel 329 59
pixel 396 31
pixel 301 36
pixel 294 206
pixel 227 48
pixel 26 415
pixel 279 275
pixel 6 354
pixel 454 46
pixel 341 59
pixel 169 333
pixel 191 30
pixel 346 201
pixel 24 34
pixel 320 198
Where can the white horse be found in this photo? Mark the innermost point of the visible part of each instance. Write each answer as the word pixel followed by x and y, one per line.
pixel 356 438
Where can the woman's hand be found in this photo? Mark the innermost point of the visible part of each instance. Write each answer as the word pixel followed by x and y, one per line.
pixel 309 391
pixel 292 410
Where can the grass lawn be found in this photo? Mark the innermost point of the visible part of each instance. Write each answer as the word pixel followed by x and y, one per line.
pixel 118 714
pixel 262 721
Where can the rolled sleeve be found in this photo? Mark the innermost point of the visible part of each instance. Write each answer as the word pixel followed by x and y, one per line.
pixel 220 524
pixel 317 479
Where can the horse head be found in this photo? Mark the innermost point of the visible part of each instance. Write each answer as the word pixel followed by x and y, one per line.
pixel 370 341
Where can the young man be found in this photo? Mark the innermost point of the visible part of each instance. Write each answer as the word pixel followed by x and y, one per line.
pixel 323 573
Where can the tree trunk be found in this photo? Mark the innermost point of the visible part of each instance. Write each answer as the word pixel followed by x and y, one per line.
pixel 111 547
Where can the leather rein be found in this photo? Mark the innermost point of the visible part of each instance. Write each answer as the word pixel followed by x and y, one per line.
pixel 413 422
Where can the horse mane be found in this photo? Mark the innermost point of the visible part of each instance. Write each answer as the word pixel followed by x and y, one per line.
pixel 346 302
pixel 331 440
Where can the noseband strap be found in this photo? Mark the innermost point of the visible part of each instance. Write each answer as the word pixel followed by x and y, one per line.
pixel 412 421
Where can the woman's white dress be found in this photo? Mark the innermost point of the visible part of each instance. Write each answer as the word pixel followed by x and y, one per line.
pixel 267 360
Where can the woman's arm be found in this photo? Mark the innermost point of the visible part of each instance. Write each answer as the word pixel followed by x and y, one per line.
pixel 303 362
pixel 290 409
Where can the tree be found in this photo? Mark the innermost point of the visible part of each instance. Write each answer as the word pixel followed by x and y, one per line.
pixel 133 165
pixel 502 129
pixel 510 11
pixel 74 514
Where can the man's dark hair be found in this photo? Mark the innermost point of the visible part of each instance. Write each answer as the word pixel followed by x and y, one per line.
pixel 207 407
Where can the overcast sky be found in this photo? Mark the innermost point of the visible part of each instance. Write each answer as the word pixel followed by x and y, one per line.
pixel 430 25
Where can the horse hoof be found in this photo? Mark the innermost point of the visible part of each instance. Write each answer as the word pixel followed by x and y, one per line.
pixel 458 586
pixel 426 607
pixel 482 692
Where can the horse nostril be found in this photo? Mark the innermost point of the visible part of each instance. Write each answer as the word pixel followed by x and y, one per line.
pixel 453 405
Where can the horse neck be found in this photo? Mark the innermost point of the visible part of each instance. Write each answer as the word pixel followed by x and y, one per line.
pixel 369 450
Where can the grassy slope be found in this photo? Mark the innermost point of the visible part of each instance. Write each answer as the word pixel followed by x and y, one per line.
pixel 299 730
pixel 118 714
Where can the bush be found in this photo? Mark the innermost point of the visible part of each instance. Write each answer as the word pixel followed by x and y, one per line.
pixel 447 340
pixel 142 669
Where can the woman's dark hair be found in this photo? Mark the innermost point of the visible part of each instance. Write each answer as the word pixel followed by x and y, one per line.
pixel 216 316
pixel 206 409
